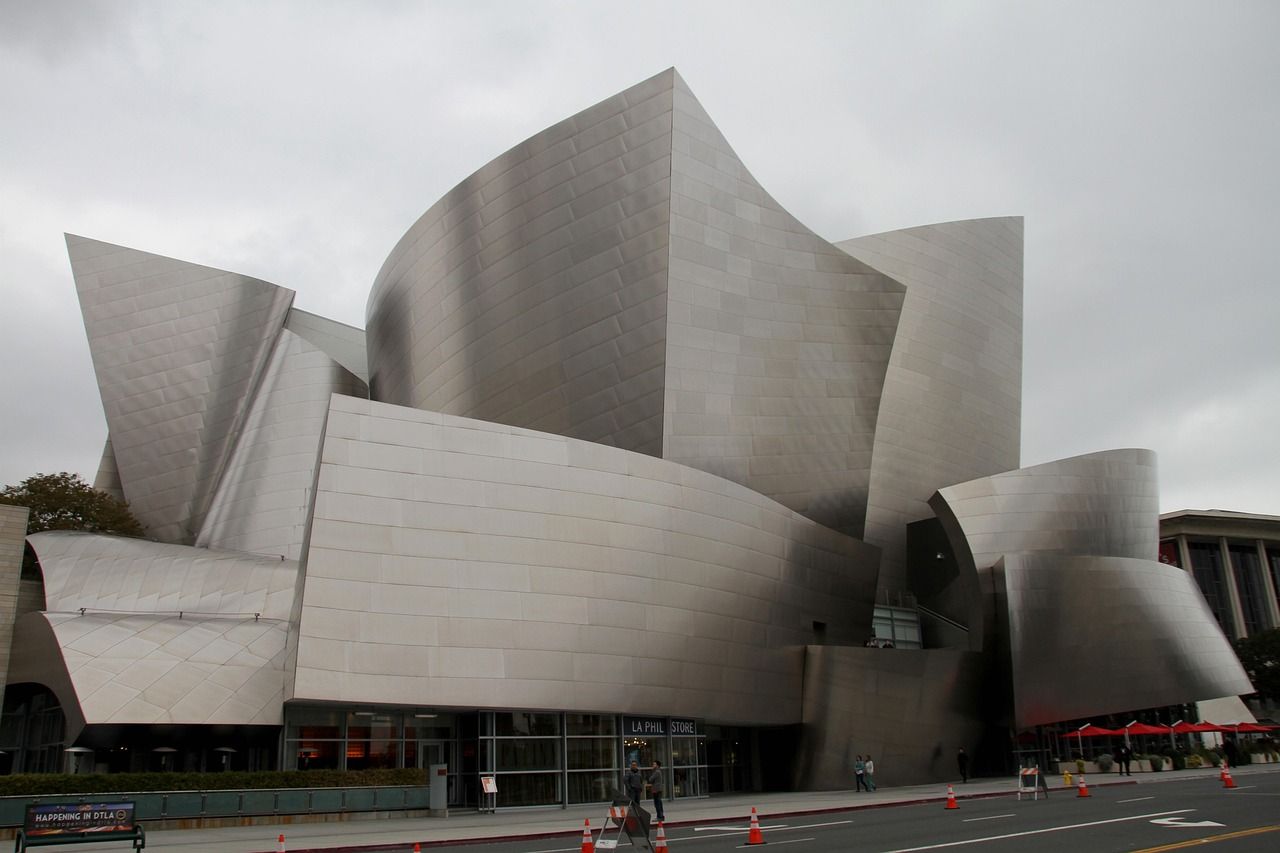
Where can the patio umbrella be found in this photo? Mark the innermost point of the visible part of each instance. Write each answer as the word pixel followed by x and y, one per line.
pixel 1195 728
pixel 1090 730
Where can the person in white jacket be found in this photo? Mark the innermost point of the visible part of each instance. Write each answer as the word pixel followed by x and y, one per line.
pixel 869 769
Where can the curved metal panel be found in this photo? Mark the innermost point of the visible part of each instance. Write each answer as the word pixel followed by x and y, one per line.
pixel 120 575
pixel 534 293
pixel 178 349
pixel 1100 504
pixel 952 403
pixel 168 633
pixel 777 341
pixel 344 344
pixel 108 477
pixel 1099 635
pixel 458 562
pixel 264 498
pixel 855 703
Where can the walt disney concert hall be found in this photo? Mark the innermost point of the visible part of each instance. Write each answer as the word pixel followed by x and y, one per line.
pixel 626 463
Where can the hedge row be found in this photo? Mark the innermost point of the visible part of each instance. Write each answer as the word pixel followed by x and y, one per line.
pixel 104 783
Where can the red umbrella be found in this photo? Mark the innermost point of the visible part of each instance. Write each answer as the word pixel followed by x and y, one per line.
pixel 1144 729
pixel 1253 728
pixel 1195 728
pixel 1091 730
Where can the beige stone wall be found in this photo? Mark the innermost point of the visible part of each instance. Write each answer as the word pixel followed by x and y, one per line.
pixel 13 533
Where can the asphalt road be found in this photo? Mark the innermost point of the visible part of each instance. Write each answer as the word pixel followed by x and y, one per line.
pixel 1148 818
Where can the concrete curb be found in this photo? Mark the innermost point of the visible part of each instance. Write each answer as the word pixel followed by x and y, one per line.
pixel 401 847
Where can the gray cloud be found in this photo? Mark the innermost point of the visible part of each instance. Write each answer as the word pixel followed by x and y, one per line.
pixel 295 141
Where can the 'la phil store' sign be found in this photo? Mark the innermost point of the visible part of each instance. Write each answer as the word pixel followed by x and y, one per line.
pixel 657 727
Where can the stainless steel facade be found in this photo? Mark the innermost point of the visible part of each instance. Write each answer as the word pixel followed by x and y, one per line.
pixel 263 500
pixel 1096 635
pixel 146 632
pixel 178 350
pixel 1083 615
pixel 622 278
pixel 952 405
pixel 455 562
pixel 534 293
pixel 910 709
pixel 630 419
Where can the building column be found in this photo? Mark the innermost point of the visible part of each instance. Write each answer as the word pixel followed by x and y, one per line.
pixel 1233 592
pixel 1268 586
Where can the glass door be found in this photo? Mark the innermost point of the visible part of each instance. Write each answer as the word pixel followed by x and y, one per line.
pixel 440 752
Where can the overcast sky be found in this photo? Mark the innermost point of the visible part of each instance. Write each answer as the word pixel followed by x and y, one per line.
pixel 297 141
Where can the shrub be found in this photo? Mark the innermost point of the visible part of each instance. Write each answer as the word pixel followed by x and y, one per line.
pixel 1194 761
pixel 1157 762
pixel 103 783
pixel 1079 766
pixel 1105 761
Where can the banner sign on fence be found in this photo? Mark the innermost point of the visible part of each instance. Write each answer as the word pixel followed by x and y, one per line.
pixel 78 819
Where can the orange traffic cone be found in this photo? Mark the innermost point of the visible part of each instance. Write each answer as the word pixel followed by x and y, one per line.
pixel 588 846
pixel 951 798
pixel 1227 781
pixel 754 836
pixel 1222 772
pixel 1082 790
pixel 280 843
pixel 417 848
pixel 660 843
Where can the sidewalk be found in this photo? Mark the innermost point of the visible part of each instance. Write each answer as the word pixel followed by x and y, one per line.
pixel 399 835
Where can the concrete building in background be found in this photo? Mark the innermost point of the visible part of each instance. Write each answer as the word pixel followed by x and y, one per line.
pixel 627 464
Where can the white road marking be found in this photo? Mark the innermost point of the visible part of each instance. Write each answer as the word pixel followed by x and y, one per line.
pixel 1182 821
pixel 1038 831
pixel 990 817
pixel 1135 800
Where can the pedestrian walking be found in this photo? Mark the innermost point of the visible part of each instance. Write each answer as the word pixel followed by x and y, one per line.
pixel 1123 756
pixel 859 774
pixel 962 761
pixel 869 770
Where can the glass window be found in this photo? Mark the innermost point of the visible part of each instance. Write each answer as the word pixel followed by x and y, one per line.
pixel 314 723
pixel 1206 565
pixel 366 725
pixel 314 755
pixel 590 724
pixel 526 723
pixel 592 753
pixel 1273 557
pixel 1248 575
pixel 528 754
pixel 528 789
pixel 592 786
pixel 685 751
pixel 372 754
pixel 1169 552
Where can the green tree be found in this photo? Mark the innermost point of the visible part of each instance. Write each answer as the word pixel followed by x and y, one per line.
pixel 66 502
pixel 1260 655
